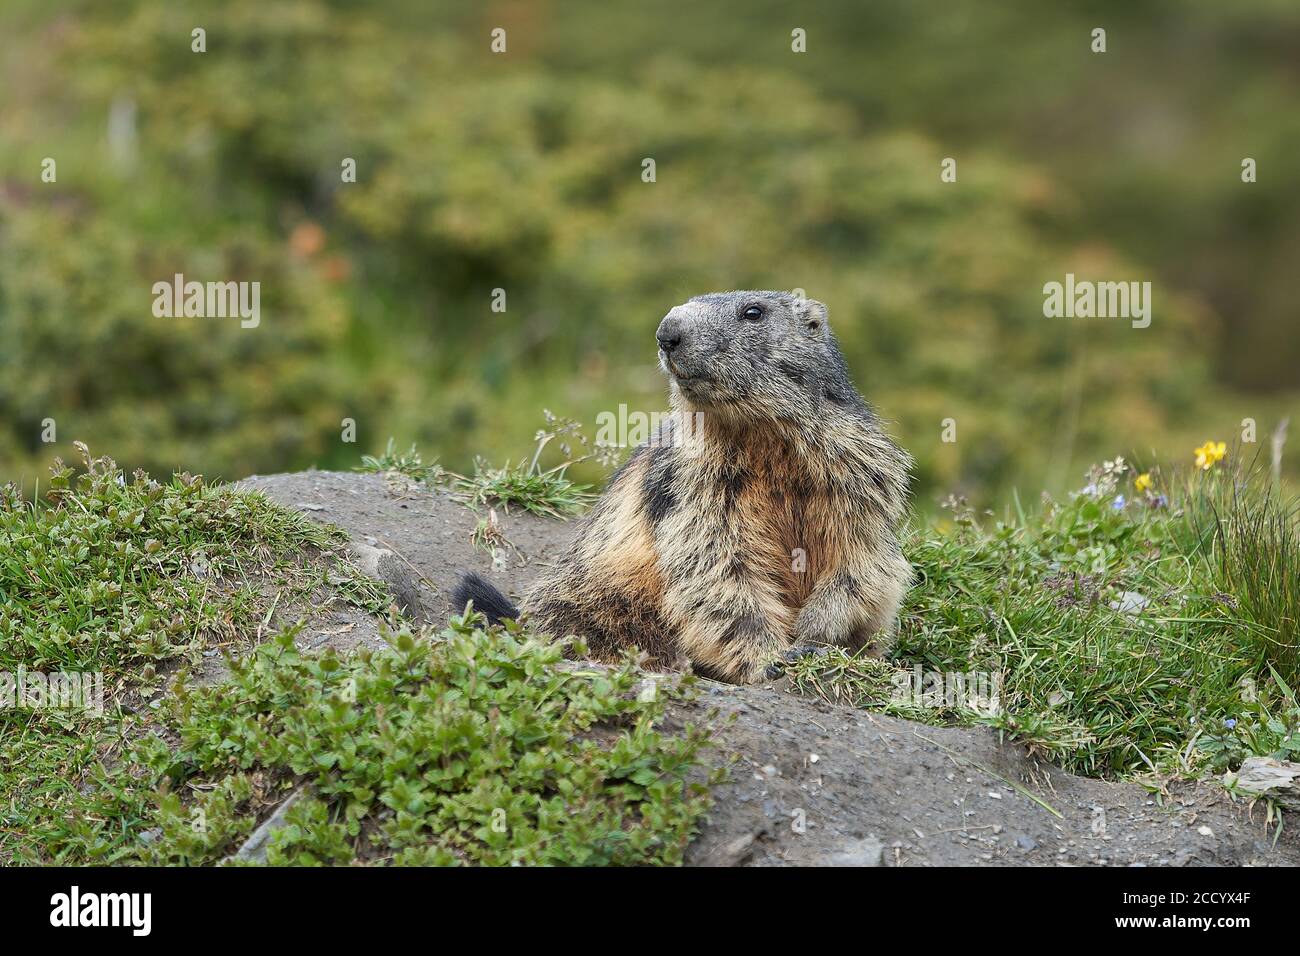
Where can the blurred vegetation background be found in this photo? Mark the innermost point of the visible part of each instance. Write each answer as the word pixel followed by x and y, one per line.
pixel 522 171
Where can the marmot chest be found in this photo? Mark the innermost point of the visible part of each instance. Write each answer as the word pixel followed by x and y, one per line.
pixel 785 530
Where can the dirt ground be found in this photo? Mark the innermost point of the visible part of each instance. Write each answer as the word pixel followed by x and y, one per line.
pixel 812 783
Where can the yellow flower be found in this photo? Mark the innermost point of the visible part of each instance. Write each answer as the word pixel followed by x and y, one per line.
pixel 1209 453
pixel 1143 481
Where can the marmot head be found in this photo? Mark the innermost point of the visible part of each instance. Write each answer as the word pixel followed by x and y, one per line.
pixel 754 355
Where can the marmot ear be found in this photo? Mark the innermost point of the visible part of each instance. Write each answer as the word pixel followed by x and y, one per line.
pixel 812 314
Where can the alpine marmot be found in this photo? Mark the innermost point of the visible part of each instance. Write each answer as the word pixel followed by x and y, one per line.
pixel 760 520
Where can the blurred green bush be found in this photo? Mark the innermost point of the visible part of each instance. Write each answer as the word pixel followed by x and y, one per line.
pixel 478 172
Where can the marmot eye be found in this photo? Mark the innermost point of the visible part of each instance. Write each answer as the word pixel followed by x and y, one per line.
pixel 753 312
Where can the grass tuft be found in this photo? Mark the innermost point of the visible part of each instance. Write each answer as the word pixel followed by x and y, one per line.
pixel 545 492
pixel 410 464
pixel 1247 537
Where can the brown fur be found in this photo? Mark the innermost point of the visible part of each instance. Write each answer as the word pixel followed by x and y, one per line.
pixel 692 553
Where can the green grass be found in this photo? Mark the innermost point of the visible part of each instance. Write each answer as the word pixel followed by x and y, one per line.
pixel 1248 540
pixel 545 492
pixel 121 578
pixel 117 573
pixel 465 746
pixel 409 464
pixel 1194 674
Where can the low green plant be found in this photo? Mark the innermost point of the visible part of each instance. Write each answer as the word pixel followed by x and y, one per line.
pixel 115 579
pixel 469 746
pixel 1268 726
pixel 477 745
pixel 112 573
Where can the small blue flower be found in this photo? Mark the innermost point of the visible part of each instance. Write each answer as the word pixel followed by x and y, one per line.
pixel 1229 722
pixel 1160 501
pixel 1118 503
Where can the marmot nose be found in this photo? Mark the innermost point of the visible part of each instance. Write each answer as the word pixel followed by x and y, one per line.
pixel 669 335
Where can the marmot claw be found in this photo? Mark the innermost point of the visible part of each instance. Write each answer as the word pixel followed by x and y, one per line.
pixel 805 650
pixel 775 669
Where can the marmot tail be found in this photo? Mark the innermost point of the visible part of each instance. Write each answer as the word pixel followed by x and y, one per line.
pixel 486 598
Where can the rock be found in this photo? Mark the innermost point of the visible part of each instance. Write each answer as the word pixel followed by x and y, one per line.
pixel 383 564
pixel 1279 780
pixel 254 848
pixel 735 853
pixel 1130 602
pixel 866 852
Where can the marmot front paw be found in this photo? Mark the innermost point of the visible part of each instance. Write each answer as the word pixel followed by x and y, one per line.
pixel 777 668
